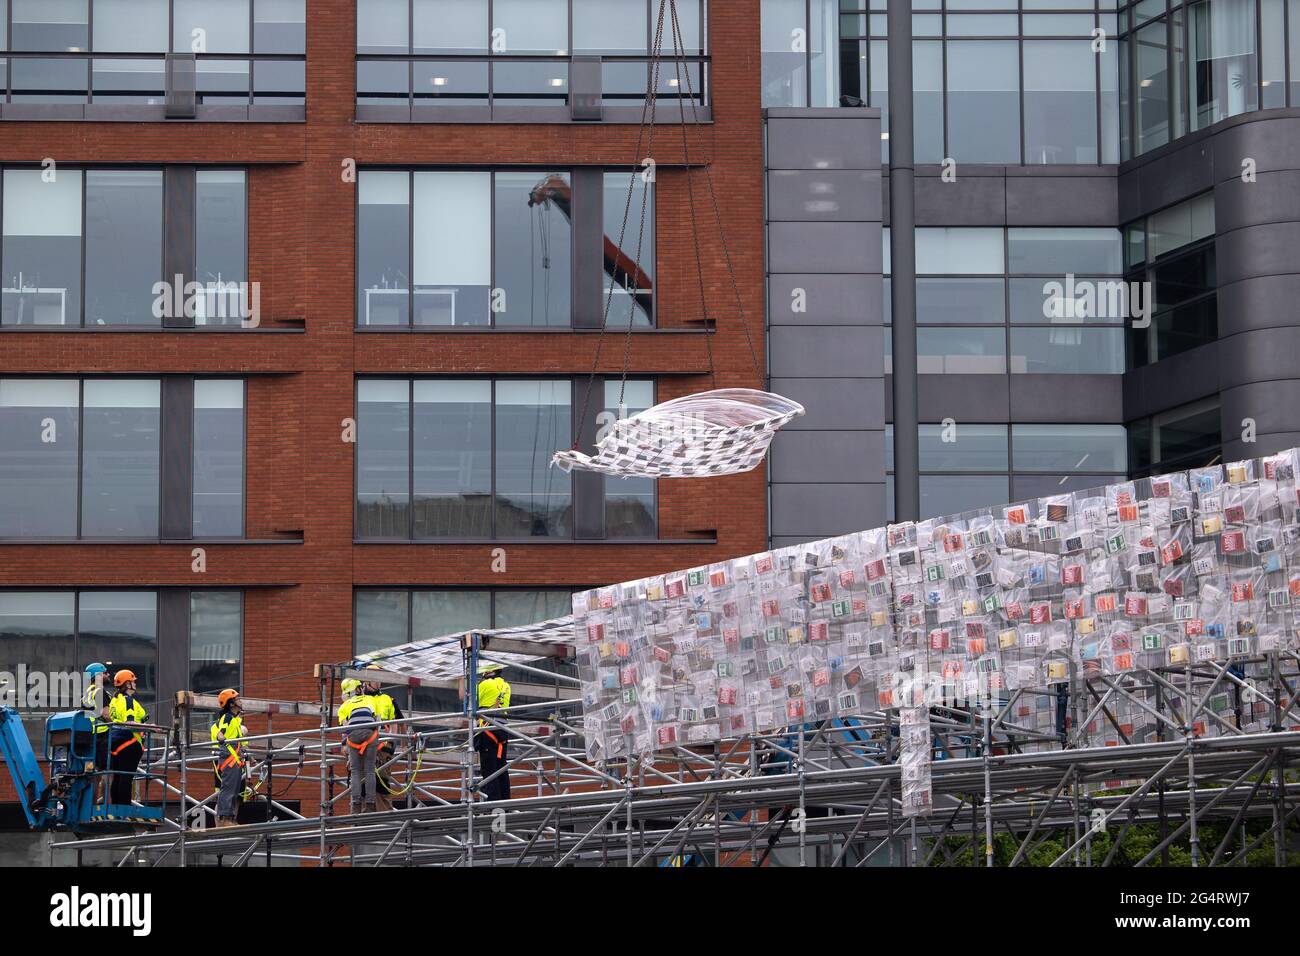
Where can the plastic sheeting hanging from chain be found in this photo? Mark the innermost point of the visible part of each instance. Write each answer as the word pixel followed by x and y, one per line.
pixel 721 432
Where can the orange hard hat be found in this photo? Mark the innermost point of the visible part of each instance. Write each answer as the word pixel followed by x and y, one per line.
pixel 122 676
pixel 226 696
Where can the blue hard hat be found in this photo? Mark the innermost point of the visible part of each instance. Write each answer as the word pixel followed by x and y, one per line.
pixel 96 668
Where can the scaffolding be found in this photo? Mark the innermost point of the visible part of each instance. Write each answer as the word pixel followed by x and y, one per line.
pixel 823 793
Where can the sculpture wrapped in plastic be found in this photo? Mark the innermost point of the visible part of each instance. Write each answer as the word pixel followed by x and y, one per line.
pixel 720 432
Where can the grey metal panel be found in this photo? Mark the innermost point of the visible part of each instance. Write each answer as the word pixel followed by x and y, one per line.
pixel 173 650
pixel 178 231
pixel 1066 398
pixel 1164 179
pixel 967 398
pixel 1056 200
pixel 834 403
pixel 43 111
pixel 812 456
pixel 1273 197
pixel 824 247
pixel 1271 405
pixel 968 201
pixel 1263 250
pixel 1177 380
pixel 833 351
pixel 825 509
pixel 1272 141
pixel 180 78
pixel 124 113
pixel 176 456
pixel 1259 356
pixel 803 195
pixel 588 271
pixel 838 299
pixel 1258 303
pixel 844 141
pixel 394 113
pixel 585 88
pixel 1263 445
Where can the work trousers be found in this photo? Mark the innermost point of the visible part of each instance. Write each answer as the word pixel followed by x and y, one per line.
pixel 361 777
pixel 123 764
pixel 489 762
pixel 230 790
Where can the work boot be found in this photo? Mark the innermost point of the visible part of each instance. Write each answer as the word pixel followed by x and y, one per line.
pixel 370 808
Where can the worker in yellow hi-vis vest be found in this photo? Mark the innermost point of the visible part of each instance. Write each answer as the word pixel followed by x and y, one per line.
pixel 95 701
pixel 228 735
pixel 492 742
pixel 125 746
pixel 358 714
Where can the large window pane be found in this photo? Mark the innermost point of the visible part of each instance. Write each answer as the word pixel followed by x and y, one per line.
pixel 41 254
pixel 216 640
pixel 436 613
pixel 927 104
pixel 533 249
pixel 966 351
pixel 383 26
pixel 1024 487
pixel 39 420
pixel 531 26
pixel 784 64
pixel 383 248
pixel 49 79
pixel 453 247
pixel 1060 101
pixel 131 26
pixel 984 101
pixel 1067 349
pixel 448 82
pixel 453 458
pixel 1057 251
pixel 1068 448
pixel 953 494
pixel 49 26
pixel 968 301
pixel 120 275
pixel 1152 74
pixel 221 246
pixel 1180 225
pixel 380 620
pixel 280 26
pixel 1091 299
pixel 120 629
pixel 958 251
pixel 218 458
pixel 962 447
pixel 629 268
pixel 210 26
pixel 128 81
pixel 36 631
pixel 383 459
pixel 533 421
pixel 617 27
pixel 517 608
pixel 689 21
pixel 1223 69
pixel 119 496
pixel 449 26
pixel 630 509
pixel 530 82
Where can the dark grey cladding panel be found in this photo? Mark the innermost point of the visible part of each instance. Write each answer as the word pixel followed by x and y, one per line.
pixel 831 351
pixel 1174 381
pixel 966 398
pixel 1053 200
pixel 1272 406
pixel 1266 250
pixel 834 403
pixel 824 247
pixel 1261 446
pixel 849 139
pixel 826 509
pixel 1165 179
pixel 968 201
pixel 1259 303
pixel 823 195
pixel 1067 398
pixel 1259 356
pixel 804 456
pixel 841 299
pixel 1272 141
pixel 1273 197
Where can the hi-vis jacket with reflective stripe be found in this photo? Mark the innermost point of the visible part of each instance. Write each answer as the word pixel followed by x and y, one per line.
pixel 360 709
pixel 92 700
pixel 125 709
pixel 493 692
pixel 231 726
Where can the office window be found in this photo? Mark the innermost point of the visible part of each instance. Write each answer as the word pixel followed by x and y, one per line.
pixel 120 458
pixel 964 351
pixel 970 301
pixel 962 448
pixel 630 503
pixel 983 101
pixel 383 458
pixel 216 640
pixel 517 608
pixel 130 26
pixel 37 631
pixel 532 248
pixel 617 27
pixel 446 26
pixel 954 494
pixel 120 275
pixel 221 249
pixel 41 252
pixel 120 629
pixel 628 266
pixel 452 467
pixel 383 248
pixel 533 420
pixel 1069 448
pixel 1067 349
pixel 1150 49
pixel 210 26
pixel 279 26
pixel 958 251
pixel 1060 101
pixel 380 619
pixel 1189 436
pixel 451 212
pixel 387 618
pixel 532 26
pixel 218 475
pixel 783 64
pixel 1223 70
pixel 44 26
pixel 39 434
pixel 1057 251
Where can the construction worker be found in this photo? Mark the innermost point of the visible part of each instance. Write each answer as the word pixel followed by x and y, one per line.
pixel 357 714
pixel 228 734
pixel 491 742
pixel 385 709
pixel 95 700
pixel 126 746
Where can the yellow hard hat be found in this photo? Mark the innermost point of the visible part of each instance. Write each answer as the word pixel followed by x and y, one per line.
pixel 351 685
